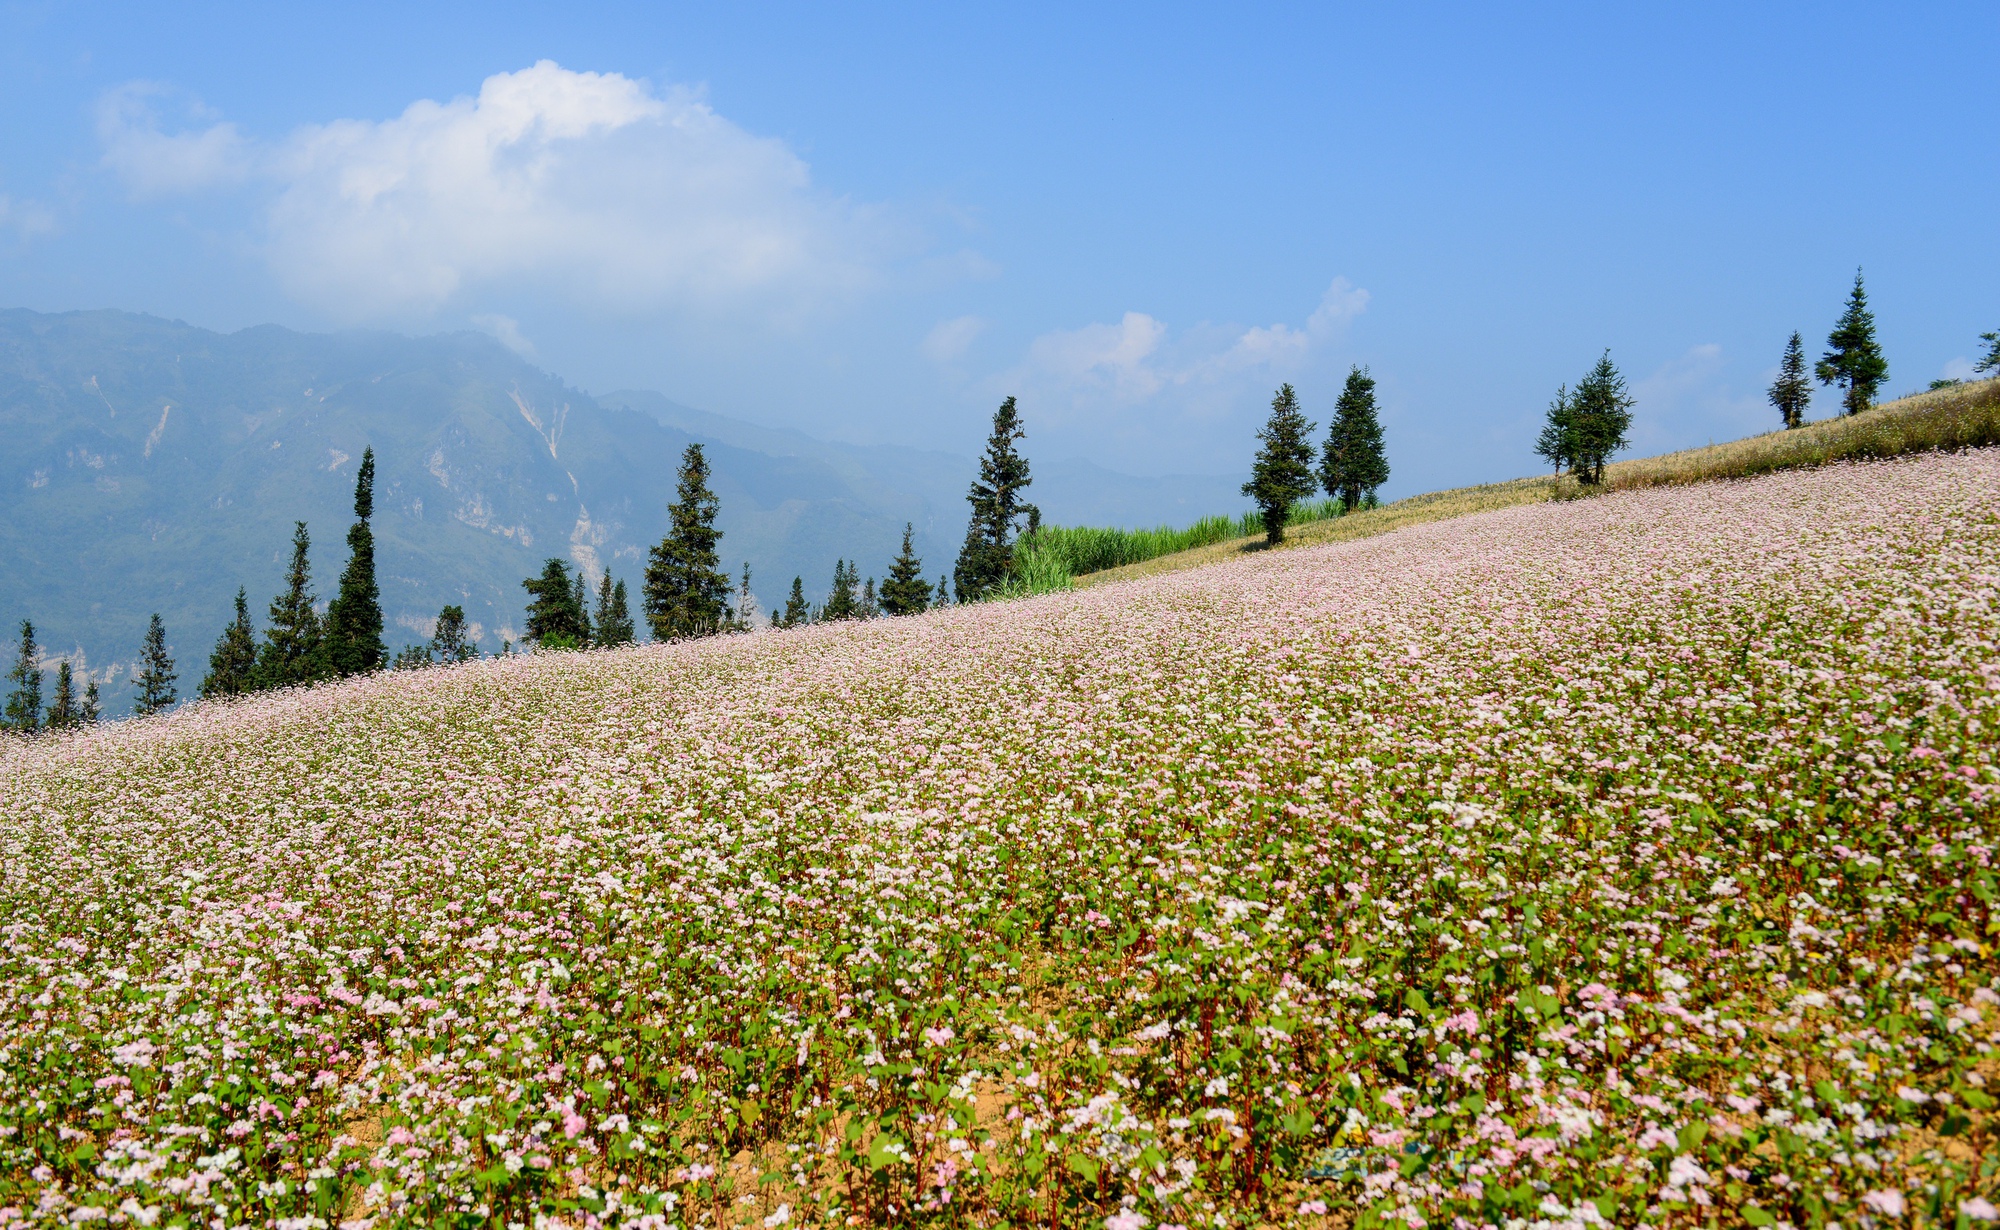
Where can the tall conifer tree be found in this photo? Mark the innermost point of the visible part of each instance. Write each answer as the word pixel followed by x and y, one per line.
pixel 354 619
pixel 64 709
pixel 232 667
pixel 797 610
pixel 155 679
pixel 1282 474
pixel 841 600
pixel 292 652
pixel 904 591
pixel 24 697
pixel 555 616
pixel 687 593
pixel 449 642
pixel 1791 392
pixel 614 616
pixel 1600 415
pixel 987 558
pixel 1853 358
pixel 87 712
pixel 580 599
pixel 1353 464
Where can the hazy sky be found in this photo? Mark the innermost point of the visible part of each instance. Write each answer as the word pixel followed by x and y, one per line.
pixel 872 222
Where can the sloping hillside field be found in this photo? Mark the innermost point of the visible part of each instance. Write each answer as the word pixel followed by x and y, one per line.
pixel 1626 860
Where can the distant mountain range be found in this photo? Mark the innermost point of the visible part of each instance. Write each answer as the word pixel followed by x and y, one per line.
pixel 153 466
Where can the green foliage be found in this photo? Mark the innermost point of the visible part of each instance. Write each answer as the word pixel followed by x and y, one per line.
pixel 843 601
pixel 1853 359
pixel 555 610
pixel 292 652
pixel 1354 464
pixel 232 667
pixel 1585 427
pixel 869 607
pixel 354 619
pixel 687 594
pixel 580 599
pixel 614 617
pixel 1080 550
pixel 449 642
pixel 155 679
pixel 65 711
pixel 24 698
pixel 1990 362
pixel 1282 474
pixel 797 610
pixel 986 559
pixel 1791 392
pixel 905 592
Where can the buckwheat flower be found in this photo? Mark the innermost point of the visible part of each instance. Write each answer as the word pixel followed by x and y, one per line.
pixel 1887 1201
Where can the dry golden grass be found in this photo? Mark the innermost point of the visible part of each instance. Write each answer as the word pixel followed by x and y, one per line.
pixel 1965 416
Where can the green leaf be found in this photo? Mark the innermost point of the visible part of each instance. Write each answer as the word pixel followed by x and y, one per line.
pixel 1084 1166
pixel 1474 1103
pixel 1691 1136
pixel 1758 1217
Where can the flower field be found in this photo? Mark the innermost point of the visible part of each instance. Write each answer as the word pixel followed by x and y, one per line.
pixel 1612 862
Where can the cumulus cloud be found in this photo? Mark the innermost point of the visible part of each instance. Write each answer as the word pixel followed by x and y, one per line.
pixel 948 342
pixel 27 219
pixel 593 184
pixel 1139 359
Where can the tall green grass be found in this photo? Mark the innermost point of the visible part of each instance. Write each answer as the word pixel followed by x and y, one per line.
pixel 1048 558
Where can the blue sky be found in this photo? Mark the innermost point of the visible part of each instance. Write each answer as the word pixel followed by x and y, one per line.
pixel 871 222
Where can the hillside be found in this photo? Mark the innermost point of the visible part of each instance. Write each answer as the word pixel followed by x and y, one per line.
pixel 157 466
pixel 1615 861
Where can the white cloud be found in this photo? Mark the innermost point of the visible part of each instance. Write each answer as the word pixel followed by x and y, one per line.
pixel 155 163
pixel 592 185
pixel 1138 360
pixel 27 219
pixel 507 331
pixel 950 339
pixel 1960 369
pixel 1689 401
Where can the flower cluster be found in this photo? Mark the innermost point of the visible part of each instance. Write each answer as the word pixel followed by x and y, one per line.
pixel 1616 862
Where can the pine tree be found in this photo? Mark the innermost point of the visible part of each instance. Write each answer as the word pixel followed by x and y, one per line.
pixel 1354 464
pixel 1792 390
pixel 555 618
pixel 1853 359
pixel 580 599
pixel 63 709
pixel 687 594
pixel 1991 362
pixel 232 667
pixel 1557 444
pixel 797 610
pixel 1282 474
pixel 746 603
pixel 291 652
pixel 86 713
pixel 412 658
pixel 841 600
pixel 1600 414
pixel 354 619
pixel 905 592
pixel 24 699
pixel 614 618
pixel 449 642
pixel 987 558
pixel 869 607
pixel 155 679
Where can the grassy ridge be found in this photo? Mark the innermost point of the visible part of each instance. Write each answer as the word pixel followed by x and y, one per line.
pixel 1056 553
pixel 1964 416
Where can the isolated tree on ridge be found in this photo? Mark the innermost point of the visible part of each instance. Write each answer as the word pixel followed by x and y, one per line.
pixel 291 652
pixel 1792 391
pixel 987 558
pixel 155 679
pixel 1853 358
pixel 687 593
pixel 232 667
pixel 555 619
pixel 1282 474
pixel 24 699
pixel 1600 414
pixel 354 618
pixel 1991 363
pixel 1354 463
pixel 904 590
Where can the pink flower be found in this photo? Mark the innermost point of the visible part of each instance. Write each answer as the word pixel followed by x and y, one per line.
pixel 1888 1202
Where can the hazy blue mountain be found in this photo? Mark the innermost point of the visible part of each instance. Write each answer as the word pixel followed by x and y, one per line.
pixel 154 466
